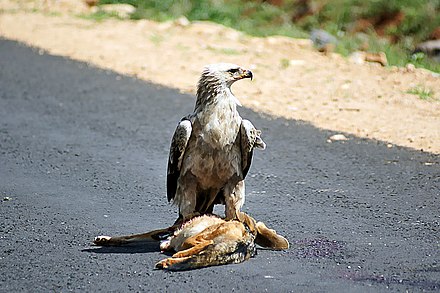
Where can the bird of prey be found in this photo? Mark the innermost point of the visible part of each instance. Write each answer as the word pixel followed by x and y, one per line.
pixel 211 149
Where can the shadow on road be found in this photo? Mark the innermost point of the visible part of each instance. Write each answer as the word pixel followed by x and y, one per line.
pixel 132 249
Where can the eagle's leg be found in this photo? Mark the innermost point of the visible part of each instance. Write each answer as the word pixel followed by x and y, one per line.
pixel 234 200
pixel 187 200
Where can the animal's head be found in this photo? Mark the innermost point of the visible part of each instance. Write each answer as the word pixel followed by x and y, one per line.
pixel 224 74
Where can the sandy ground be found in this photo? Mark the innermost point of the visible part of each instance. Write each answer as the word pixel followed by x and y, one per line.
pixel 292 80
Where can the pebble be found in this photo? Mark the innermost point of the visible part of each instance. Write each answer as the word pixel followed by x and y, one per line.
pixel 338 137
pixel 182 21
pixel 297 62
pixel 122 10
pixel 410 67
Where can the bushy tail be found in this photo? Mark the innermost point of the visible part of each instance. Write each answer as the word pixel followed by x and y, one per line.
pixel 226 252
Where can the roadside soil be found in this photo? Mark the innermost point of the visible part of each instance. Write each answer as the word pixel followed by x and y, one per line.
pixel 292 80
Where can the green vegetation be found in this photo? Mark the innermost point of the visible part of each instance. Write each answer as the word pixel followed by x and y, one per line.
pixel 422 92
pixel 156 39
pixel 99 15
pixel 225 51
pixel 390 26
pixel 284 63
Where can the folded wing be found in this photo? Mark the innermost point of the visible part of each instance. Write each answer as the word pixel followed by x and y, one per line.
pixel 177 150
pixel 250 139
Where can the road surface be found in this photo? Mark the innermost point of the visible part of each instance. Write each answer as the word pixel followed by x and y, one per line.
pixel 83 152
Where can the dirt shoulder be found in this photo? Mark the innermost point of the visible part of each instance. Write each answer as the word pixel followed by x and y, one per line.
pixel 292 80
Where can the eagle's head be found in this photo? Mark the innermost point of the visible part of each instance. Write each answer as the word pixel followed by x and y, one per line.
pixel 217 78
pixel 224 74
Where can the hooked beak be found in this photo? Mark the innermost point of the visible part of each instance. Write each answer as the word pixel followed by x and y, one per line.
pixel 243 73
pixel 246 74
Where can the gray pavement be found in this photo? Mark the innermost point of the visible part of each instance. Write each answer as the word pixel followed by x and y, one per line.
pixel 83 152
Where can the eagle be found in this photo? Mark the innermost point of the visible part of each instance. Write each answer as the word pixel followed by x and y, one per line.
pixel 211 149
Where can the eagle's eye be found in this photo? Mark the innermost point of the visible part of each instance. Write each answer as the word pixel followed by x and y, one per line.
pixel 233 70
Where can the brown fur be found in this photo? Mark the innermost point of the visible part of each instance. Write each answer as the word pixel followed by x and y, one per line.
pixel 205 241
pixel 218 242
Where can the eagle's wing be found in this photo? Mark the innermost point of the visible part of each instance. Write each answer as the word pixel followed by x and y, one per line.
pixel 250 139
pixel 177 150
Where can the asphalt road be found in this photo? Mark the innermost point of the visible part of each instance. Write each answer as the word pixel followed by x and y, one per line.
pixel 83 152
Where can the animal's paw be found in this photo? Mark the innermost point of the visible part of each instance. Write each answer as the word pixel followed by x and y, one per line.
pixel 171 263
pixel 163 264
pixel 101 240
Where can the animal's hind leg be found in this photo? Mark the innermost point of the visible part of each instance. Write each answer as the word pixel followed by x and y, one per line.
pixel 200 246
pixel 226 231
pixel 197 243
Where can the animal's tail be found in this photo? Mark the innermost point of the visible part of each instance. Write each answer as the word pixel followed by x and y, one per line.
pixel 226 252
pixel 149 237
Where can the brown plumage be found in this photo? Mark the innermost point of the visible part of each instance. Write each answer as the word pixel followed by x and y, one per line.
pixel 211 150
